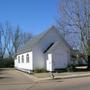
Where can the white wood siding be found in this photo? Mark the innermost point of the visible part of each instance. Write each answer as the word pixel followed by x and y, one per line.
pixel 60 56
pixel 25 65
pixel 38 58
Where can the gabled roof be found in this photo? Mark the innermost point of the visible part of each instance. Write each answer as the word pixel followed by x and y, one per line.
pixel 32 42
pixel 48 47
pixel 54 46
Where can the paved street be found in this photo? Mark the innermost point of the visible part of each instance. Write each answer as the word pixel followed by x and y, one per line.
pixel 11 79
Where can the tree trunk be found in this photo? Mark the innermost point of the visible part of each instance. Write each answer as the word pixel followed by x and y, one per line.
pixel 89 62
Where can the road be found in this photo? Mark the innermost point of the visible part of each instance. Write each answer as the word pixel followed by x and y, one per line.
pixel 11 79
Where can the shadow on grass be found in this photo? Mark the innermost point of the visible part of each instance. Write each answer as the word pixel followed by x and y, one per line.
pixel 4 77
pixel 3 69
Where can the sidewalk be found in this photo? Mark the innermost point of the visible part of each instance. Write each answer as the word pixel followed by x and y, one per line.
pixel 66 75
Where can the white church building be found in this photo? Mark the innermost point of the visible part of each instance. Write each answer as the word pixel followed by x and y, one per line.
pixel 48 50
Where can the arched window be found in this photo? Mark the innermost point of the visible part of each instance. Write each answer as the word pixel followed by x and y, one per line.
pixel 22 59
pixel 18 59
pixel 27 58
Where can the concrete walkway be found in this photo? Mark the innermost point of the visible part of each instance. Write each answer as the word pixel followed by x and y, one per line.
pixel 66 75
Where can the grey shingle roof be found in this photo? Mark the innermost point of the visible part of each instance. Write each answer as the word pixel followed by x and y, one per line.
pixel 32 42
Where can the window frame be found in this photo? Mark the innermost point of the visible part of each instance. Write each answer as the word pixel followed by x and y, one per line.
pixel 22 58
pixel 18 59
pixel 27 58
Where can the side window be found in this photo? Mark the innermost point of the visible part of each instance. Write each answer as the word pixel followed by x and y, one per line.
pixel 27 58
pixel 18 59
pixel 22 58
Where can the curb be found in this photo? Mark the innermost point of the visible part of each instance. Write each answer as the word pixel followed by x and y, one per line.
pixel 56 77
pixel 63 77
pixel 72 76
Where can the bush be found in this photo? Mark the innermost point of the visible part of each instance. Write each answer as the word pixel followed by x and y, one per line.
pixel 71 68
pixel 6 63
pixel 39 70
pixel 60 70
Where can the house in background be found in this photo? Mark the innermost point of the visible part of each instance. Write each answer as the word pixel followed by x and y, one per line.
pixel 47 50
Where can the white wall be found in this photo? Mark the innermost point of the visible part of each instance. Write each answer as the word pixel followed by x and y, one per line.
pixel 61 56
pixel 25 65
pixel 38 58
pixel 38 55
pixel 58 58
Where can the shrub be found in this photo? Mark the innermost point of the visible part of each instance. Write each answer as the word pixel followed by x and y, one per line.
pixel 60 70
pixel 6 62
pixel 39 70
pixel 71 68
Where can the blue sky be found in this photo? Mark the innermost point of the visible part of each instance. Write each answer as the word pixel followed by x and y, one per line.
pixel 32 16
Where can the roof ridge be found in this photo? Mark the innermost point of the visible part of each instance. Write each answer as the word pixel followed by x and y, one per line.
pixel 30 43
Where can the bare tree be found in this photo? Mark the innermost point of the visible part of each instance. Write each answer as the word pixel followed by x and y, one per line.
pixel 13 42
pixel 11 39
pixel 3 39
pixel 25 38
pixel 17 40
pixel 1 43
pixel 75 18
